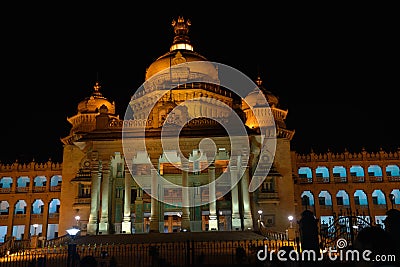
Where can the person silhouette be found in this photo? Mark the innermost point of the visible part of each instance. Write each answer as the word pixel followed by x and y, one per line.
pixel 378 242
pixel 88 261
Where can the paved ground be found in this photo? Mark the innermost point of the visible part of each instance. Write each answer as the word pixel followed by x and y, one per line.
pixel 168 237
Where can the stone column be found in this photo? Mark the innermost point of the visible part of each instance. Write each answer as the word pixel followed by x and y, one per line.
pixel 352 202
pixel 236 222
pixel 196 216
pixel 31 184
pixel 45 218
pixel 105 191
pixel 139 211
pixel 212 218
pixel 27 220
pixel 244 182
pixel 154 217
pixel 95 197
pixel 371 207
pixel 160 207
pixel 48 184
pixel 317 207
pixel 348 175
pixel 335 208
pixel 185 224
pixel 11 210
pixel 170 222
pixel 14 184
pixel 126 221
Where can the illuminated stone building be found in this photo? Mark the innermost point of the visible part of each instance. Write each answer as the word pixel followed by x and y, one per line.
pixel 338 184
pixel 101 167
pixel 30 199
pixel 97 170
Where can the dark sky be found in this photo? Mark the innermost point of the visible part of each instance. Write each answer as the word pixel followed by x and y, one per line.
pixel 334 67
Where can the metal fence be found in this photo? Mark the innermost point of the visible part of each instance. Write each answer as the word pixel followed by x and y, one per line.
pixel 182 253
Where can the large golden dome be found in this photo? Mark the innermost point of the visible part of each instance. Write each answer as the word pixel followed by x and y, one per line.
pixel 93 103
pixel 181 51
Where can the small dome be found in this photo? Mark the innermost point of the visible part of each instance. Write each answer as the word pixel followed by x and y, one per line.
pixel 256 99
pixel 93 103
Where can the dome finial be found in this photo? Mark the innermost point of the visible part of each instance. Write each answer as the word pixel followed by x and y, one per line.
pixel 258 80
pixel 96 88
pixel 181 38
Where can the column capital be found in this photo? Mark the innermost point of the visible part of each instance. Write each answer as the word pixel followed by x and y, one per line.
pixel 105 165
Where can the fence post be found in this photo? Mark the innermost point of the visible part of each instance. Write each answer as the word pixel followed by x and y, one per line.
pixel 193 253
pixel 188 261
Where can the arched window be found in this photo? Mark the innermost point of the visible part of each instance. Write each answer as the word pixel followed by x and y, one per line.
pixel 40 181
pixel 342 198
pixel 20 207
pixel 55 180
pixel 339 171
pixel 396 196
pixel 37 206
pixel 305 172
pixel 360 198
pixel 374 170
pixel 23 181
pixel 392 170
pixel 6 182
pixel 357 174
pixel 54 206
pixel 4 207
pixel 322 172
pixel 356 171
pixel 325 198
pixel 307 198
pixel 378 198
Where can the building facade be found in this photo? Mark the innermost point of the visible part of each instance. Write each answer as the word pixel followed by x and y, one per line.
pixel 30 199
pixel 175 186
pixel 363 184
pixel 120 177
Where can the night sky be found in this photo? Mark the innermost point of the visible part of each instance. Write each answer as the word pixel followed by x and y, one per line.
pixel 334 68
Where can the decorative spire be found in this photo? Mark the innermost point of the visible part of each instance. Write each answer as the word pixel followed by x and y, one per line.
pixel 96 88
pixel 259 81
pixel 181 38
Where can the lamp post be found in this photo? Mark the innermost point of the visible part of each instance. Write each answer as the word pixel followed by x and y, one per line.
pixel 77 218
pixel 259 219
pixel 290 218
pixel 392 198
pixel 71 261
pixel 290 231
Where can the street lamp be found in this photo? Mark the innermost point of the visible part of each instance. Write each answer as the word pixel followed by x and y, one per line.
pixel 291 230
pixel 259 214
pixel 392 198
pixel 77 218
pixel 290 218
pixel 259 218
pixel 72 247
pixel 72 232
